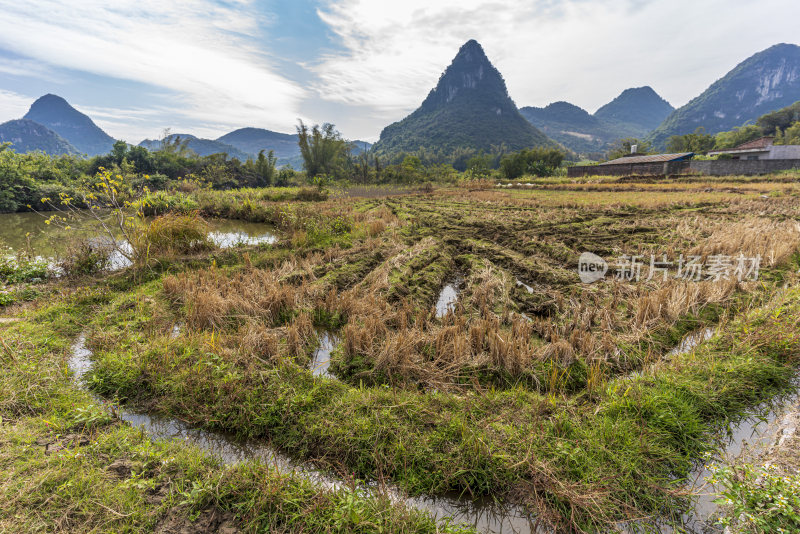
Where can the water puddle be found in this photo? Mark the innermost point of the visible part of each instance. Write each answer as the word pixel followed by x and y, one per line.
pixel 484 515
pixel 322 356
pixel 80 363
pixel 29 232
pixel 520 283
pixel 448 298
pixel 691 341
pixel 240 238
pixel 176 331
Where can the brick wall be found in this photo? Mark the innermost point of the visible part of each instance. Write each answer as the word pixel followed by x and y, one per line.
pixel 723 167
pixel 627 169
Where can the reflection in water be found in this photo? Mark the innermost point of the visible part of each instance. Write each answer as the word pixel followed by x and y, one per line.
pixel 322 356
pixel 484 515
pixel 754 434
pixel 27 232
pixel 79 362
pixel 448 298
pixel 226 233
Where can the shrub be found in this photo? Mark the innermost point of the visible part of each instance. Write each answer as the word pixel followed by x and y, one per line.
pixel 535 161
pixel 17 270
pixel 86 257
pixel 161 202
pixel 759 499
pixel 311 194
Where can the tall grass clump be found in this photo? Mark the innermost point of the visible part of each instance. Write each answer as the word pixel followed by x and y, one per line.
pixel 171 234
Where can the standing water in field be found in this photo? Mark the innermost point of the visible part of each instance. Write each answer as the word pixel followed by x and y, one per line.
pixel 691 341
pixel 448 298
pixel 322 356
pixel 520 283
pixel 227 233
pixel 752 433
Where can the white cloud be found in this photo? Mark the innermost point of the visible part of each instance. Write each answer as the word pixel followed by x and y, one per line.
pixel 13 105
pixel 206 53
pixel 548 50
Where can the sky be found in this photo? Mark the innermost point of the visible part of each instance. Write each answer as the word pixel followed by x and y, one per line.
pixel 207 67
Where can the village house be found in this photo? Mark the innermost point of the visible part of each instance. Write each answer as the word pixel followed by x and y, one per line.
pixel 761 148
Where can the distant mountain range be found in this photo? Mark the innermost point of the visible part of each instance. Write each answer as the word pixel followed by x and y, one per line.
pixel 766 81
pixel 201 147
pixel 246 143
pixel 634 113
pixel 253 140
pixel 468 109
pixel 27 136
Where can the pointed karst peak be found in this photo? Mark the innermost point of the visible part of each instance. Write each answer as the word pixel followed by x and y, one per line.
pixel 468 108
pixel 470 75
pixel 471 52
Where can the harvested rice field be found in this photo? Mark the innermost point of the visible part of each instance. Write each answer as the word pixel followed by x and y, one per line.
pixel 409 362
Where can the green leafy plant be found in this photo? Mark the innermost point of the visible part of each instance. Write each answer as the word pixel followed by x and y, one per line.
pixel 758 499
pixel 91 416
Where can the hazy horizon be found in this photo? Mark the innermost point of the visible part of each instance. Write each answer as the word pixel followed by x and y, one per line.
pixel 207 67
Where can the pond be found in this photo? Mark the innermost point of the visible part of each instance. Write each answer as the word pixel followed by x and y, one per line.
pixel 29 232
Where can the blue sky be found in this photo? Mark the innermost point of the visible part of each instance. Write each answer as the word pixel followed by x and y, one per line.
pixel 207 67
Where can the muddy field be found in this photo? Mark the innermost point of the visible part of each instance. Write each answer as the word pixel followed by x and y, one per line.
pixel 421 344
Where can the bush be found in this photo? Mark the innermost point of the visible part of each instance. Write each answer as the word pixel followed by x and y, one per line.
pixel 86 257
pixel 759 499
pixel 535 161
pixel 311 194
pixel 17 270
pixel 161 202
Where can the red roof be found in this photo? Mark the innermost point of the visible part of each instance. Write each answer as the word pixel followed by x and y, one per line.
pixel 761 142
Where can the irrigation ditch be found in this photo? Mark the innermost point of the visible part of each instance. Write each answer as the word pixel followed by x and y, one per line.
pixel 483 514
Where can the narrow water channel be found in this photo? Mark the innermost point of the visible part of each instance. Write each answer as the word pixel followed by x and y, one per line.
pixel 484 515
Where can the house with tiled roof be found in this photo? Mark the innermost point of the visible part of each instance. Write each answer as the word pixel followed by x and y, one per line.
pixel 761 148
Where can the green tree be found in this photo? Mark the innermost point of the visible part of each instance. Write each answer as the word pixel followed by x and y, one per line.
pixel 479 165
pixel 15 180
pixel 533 161
pixel 780 119
pixel 737 136
pixel 699 142
pixel 790 136
pixel 323 150
pixel 265 167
